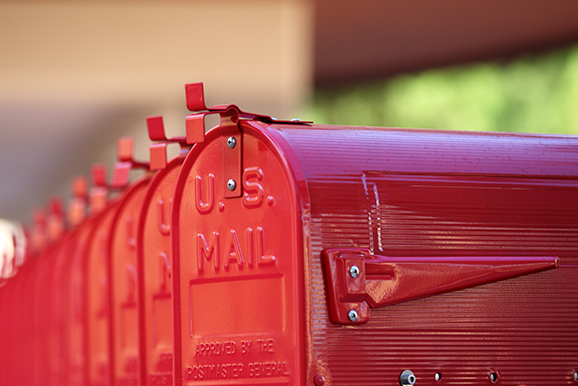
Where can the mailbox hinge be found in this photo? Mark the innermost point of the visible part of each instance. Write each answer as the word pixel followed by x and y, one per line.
pixel 358 280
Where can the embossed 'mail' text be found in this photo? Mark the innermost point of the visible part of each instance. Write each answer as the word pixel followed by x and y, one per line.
pixel 234 251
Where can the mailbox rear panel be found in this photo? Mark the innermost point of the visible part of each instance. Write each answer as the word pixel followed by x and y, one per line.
pixel 406 193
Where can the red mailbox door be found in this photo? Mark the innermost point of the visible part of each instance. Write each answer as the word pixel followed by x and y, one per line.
pixel 97 308
pixel 58 334
pixel 13 309
pixel 237 266
pixel 43 363
pixel 154 269
pixel 123 286
pixel 76 306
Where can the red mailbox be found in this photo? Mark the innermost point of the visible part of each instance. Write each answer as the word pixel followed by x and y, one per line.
pixel 96 324
pixel 308 254
pixel 42 356
pixel 12 258
pixel 122 274
pixel 24 305
pixel 286 253
pixel 75 332
pixel 155 261
pixel 58 328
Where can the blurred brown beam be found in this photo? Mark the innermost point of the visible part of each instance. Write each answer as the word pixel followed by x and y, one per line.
pixel 366 39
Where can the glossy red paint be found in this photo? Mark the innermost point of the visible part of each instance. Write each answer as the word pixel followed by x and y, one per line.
pixel 404 193
pixel 476 208
pixel 466 248
pixel 236 279
pixel 154 262
pixel 96 323
pixel 155 278
pixel 123 285
pixel 122 270
pixel 96 271
pixel 357 280
pixel 76 304
pixel 237 275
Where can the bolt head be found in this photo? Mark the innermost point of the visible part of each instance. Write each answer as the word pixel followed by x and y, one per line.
pixel 407 378
pixel 319 380
pixel 231 185
pixel 353 315
pixel 576 376
pixel 231 142
pixel 354 271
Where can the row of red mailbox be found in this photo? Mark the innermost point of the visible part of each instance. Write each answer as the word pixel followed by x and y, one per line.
pixel 257 253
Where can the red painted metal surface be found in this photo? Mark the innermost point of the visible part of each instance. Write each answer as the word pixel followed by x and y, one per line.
pixel 236 280
pixel 122 271
pixel 336 256
pixel 503 201
pixel 154 262
pixel 237 284
pixel 123 285
pixel 97 314
pixel 405 193
pixel 76 304
pixel 357 280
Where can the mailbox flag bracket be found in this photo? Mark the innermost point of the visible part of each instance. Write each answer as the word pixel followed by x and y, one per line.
pixel 358 280
pixel 231 132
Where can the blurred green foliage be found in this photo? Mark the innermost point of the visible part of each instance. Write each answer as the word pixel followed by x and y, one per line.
pixel 536 94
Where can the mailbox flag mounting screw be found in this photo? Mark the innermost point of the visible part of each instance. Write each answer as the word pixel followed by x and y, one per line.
pixel 231 185
pixel 576 376
pixel 319 380
pixel 407 378
pixel 354 271
pixel 353 316
pixel 231 142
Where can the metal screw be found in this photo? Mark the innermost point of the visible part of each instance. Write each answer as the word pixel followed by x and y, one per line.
pixel 576 376
pixel 319 380
pixel 231 185
pixel 438 376
pixel 354 271
pixel 353 316
pixel 231 142
pixel 407 378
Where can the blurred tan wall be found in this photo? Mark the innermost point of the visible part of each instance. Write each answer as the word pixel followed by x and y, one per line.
pixel 76 75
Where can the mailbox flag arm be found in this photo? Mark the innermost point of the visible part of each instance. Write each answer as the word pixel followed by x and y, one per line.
pixel 358 280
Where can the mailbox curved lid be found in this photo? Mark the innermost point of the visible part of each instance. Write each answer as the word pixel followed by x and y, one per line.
pixel 404 193
pixel 333 150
